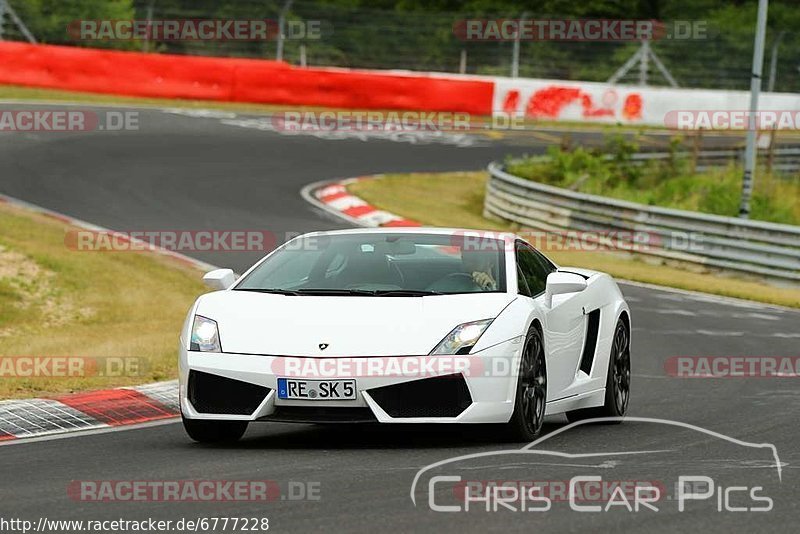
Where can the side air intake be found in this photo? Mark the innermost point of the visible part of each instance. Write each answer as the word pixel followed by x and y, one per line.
pixel 590 345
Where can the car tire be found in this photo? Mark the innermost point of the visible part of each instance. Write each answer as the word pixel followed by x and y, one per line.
pixel 530 402
pixel 205 431
pixel 618 381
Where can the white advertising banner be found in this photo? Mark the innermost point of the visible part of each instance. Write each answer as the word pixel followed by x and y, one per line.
pixel 649 106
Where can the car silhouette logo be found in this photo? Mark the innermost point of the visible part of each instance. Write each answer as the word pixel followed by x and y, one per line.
pixel 323 346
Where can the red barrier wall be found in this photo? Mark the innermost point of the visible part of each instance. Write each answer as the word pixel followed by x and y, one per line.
pixel 230 79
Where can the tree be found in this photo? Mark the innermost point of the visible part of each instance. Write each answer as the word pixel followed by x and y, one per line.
pixel 49 20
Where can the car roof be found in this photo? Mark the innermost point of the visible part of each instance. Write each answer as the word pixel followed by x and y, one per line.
pixel 508 237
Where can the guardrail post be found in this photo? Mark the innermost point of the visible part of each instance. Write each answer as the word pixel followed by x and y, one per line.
pixel 566 143
pixel 771 148
pixel 698 141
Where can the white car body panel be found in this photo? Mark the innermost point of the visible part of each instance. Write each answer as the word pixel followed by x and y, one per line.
pixel 257 330
pixel 258 323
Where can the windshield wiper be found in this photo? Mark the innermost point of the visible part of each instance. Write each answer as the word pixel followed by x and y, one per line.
pixel 331 291
pixel 266 290
pixel 344 292
pixel 405 293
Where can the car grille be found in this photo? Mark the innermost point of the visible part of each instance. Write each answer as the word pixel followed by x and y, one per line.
pixel 219 395
pixel 444 396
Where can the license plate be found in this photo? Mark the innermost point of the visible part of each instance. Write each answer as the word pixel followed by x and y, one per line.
pixel 293 389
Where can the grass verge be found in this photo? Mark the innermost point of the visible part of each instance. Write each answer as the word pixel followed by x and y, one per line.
pixel 59 302
pixel 456 200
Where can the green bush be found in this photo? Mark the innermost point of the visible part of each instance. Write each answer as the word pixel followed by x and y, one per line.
pixel 611 172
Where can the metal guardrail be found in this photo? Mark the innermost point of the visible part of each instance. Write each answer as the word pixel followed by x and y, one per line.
pixel 729 243
pixel 782 159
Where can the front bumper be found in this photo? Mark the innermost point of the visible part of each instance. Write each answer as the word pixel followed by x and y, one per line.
pixel 244 387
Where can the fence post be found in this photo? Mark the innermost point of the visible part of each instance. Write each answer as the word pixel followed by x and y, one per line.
pixel 755 88
pixel 515 50
pixel 644 64
pixel 2 16
pixel 281 28
pixel 462 64
pixel 773 61
pixel 566 143
pixel 5 8
pixel 149 15
pixel 771 148
pixel 698 141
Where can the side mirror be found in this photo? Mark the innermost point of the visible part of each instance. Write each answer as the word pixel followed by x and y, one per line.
pixel 219 279
pixel 560 283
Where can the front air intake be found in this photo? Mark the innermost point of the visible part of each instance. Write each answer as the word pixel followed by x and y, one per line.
pixel 320 414
pixel 443 396
pixel 220 395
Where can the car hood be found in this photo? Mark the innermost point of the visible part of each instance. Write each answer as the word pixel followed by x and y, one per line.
pixel 263 323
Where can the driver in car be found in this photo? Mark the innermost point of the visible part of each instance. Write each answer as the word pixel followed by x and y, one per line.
pixel 480 265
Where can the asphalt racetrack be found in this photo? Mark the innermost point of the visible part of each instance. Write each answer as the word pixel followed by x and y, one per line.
pixel 182 172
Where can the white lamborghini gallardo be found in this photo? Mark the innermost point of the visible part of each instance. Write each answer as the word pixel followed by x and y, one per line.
pixel 404 325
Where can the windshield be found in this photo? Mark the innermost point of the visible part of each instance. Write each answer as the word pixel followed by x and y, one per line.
pixel 382 264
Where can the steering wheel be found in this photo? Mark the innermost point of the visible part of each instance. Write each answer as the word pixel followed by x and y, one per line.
pixel 459 280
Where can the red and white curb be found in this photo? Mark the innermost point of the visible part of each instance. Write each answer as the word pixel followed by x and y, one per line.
pixel 333 197
pixel 27 418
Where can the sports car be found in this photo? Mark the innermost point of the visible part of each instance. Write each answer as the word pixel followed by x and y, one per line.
pixel 404 325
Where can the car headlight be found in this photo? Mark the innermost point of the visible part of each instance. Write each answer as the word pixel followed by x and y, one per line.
pixel 205 335
pixel 462 338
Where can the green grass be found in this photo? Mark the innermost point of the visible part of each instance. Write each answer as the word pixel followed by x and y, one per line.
pixel 670 184
pixel 456 200
pixel 55 301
